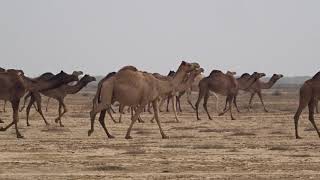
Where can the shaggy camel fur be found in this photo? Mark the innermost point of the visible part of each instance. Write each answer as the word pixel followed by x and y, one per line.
pixel 224 84
pixel 60 93
pixel 309 92
pixel 15 85
pixel 143 88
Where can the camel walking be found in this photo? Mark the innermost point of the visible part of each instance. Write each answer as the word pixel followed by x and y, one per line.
pixel 257 87
pixel 14 85
pixel 224 84
pixel 309 93
pixel 137 89
pixel 59 94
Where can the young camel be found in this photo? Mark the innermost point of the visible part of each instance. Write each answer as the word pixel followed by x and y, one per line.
pixel 309 92
pixel 258 86
pixel 224 84
pixel 143 87
pixel 60 93
pixel 15 85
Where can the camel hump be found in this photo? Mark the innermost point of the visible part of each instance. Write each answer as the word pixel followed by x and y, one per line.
pixel 214 72
pixel 245 75
pixel 132 68
pixel 316 77
pixel 110 75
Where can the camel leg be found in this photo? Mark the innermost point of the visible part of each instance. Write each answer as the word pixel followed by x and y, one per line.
pixel 317 106
pixel 15 107
pixel 226 110
pixel 205 104
pixel 217 101
pixel 168 101
pixel 29 108
pixel 149 108
pixel 100 107
pixel 260 96
pixel 302 104
pixel 102 123
pixel 156 116
pixel 37 98
pixel 133 120
pixel 121 109
pixel 48 101
pixel 311 115
pixel 250 101
pixel 235 103
pixel 173 98
pixel 61 114
pixel 230 107
pixel 189 101
pixel 200 96
pixel 59 111
pixel 4 106
pixel 112 110
pixel 161 104
pixel 226 105
pixel 24 103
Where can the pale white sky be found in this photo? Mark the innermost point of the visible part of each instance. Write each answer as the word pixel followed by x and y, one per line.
pixel 99 36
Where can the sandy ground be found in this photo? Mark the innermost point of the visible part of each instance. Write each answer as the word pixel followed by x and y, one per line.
pixel 257 145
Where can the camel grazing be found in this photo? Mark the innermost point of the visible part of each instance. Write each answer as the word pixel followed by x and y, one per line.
pixel 15 85
pixel 258 86
pixel 60 93
pixel 309 93
pixel 143 88
pixel 224 84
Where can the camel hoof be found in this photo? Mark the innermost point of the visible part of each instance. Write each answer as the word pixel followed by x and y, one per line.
pixel 233 119
pixel 128 137
pixel 56 120
pixel 220 114
pixel 199 119
pixel 1 121
pixel 2 129
pixel 19 136
pixel 266 110
pixel 165 137
pixel 90 132
pixel 210 118
pixel 298 137
pixel 61 125
pixel 28 125
pixel 47 124
pixel 111 137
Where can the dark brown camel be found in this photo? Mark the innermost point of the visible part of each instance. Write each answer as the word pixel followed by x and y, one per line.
pixel 15 85
pixel 223 84
pixel 60 93
pixel 309 93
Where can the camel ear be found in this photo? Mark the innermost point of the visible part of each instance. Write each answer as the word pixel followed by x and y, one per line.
pixel 183 63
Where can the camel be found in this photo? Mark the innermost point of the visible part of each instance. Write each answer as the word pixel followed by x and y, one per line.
pixel 60 93
pixel 143 88
pixel 224 84
pixel 15 85
pixel 258 86
pixel 309 93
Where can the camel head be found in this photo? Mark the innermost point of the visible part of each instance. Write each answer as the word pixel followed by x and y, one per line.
pixel 257 75
pixel 77 73
pixel 197 71
pixel 2 70
pixel 65 78
pixel 188 67
pixel 171 73
pixel 86 79
pixel 231 73
pixel 276 77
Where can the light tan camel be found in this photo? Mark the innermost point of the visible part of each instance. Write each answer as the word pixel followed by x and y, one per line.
pixel 137 89
pixel 309 92
pixel 257 87
pixel 15 85
pixel 224 84
pixel 60 93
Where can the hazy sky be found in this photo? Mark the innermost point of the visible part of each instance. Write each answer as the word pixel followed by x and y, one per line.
pixel 271 36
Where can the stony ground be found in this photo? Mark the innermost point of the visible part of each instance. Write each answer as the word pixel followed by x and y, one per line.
pixel 257 145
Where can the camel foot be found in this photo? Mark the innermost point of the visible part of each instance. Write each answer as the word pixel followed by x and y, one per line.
pixel 266 110
pixel 1 121
pixel 56 120
pixel 19 136
pixel 298 137
pixel 199 119
pixel 47 124
pixel 165 137
pixel 210 118
pixel 61 125
pixel 220 114
pixel 233 118
pixel 90 132
pixel 128 137
pixel 110 136
pixel 2 129
pixel 28 124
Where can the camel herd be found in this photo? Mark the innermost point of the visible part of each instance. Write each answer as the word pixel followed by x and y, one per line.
pixel 147 90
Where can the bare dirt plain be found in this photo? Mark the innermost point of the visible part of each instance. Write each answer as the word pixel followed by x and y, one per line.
pixel 257 145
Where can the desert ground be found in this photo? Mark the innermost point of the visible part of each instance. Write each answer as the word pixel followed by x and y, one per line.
pixel 257 145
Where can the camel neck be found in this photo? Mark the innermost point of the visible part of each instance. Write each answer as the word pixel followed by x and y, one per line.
pixel 33 85
pixel 73 89
pixel 269 84
pixel 178 78
pixel 246 84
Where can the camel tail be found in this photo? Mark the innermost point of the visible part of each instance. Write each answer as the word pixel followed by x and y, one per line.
pixel 97 98
pixel 25 100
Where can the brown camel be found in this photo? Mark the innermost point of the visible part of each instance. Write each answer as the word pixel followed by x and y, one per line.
pixel 224 84
pixel 60 93
pixel 309 93
pixel 258 86
pixel 15 85
pixel 76 73
pixel 143 88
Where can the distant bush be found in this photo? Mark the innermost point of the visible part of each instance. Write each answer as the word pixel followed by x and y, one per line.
pixel 277 93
